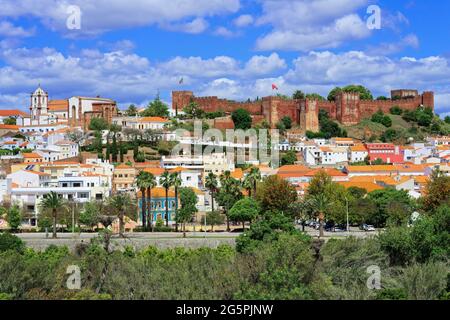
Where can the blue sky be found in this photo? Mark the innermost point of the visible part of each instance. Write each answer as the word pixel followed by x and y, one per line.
pixel 130 50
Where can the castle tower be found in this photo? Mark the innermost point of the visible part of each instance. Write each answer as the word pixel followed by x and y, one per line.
pixel 348 108
pixel 180 99
pixel 428 99
pixel 39 105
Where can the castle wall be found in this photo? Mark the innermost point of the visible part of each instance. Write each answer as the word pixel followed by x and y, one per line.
pixel 348 108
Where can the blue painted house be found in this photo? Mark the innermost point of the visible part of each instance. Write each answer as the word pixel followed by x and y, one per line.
pixel 158 202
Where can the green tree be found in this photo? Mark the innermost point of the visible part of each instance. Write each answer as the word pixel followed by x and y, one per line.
pixel 275 194
pixel 333 93
pixel 288 158
pixel 211 184
pixel 364 93
pixel 396 110
pixel 242 119
pixel 176 182
pixel 131 111
pixel 320 203
pixel 244 210
pixel 229 193
pixel 193 111
pixel 122 206
pixel 254 176
pixel 188 200
pixel 166 183
pixel 142 182
pixel 56 204
pixel 156 108
pixel 98 124
pixel 386 198
pixel 447 119
pixel 437 191
pixel 14 218
pixel 11 242
pixel 9 121
pixel 315 96
pixel 298 94
pixel 287 121
pixel 151 183
pixel 213 218
pixel 90 215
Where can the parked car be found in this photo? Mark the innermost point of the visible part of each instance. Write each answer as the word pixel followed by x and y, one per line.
pixel 367 227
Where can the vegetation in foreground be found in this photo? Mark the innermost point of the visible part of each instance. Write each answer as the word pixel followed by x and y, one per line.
pixel 272 260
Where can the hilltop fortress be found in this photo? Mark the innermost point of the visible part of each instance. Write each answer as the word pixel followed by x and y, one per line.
pixel 348 108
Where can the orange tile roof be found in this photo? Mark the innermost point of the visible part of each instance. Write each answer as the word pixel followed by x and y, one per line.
pixel 12 113
pixel 9 127
pixel 343 139
pixel 123 166
pixel 152 119
pixel 389 180
pixel 31 155
pixel 159 192
pixel 293 168
pixel 58 105
pixel 155 171
pixel 410 167
pixel 330 171
pixel 358 148
pixel 369 186
pixel 375 168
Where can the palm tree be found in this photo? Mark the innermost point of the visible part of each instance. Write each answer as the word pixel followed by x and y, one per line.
pixel 142 183
pixel 151 183
pixel 166 183
pixel 176 182
pixel 122 204
pixel 54 203
pixel 247 184
pixel 212 184
pixel 320 203
pixel 230 193
pixel 254 176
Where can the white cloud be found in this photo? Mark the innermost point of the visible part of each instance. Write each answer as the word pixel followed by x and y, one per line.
pixel 195 26
pixel 243 20
pixel 7 29
pixel 224 32
pixel 104 15
pixel 126 76
pixel 410 40
pixel 311 24
pixel 261 65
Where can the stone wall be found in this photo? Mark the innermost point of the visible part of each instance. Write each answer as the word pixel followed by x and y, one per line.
pixel 348 109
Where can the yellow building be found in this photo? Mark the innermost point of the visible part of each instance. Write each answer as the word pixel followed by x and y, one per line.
pixel 124 178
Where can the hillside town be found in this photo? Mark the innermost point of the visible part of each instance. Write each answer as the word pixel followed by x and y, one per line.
pixel 85 149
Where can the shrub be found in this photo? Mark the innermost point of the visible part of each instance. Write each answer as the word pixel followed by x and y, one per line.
pixel 396 110
pixel 11 242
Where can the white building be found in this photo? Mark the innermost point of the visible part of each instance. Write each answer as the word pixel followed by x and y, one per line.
pixel 358 153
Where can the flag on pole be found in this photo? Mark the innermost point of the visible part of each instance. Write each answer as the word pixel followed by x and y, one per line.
pixel 274 86
pixel 181 81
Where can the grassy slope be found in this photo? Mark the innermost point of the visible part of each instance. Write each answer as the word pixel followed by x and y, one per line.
pixel 358 131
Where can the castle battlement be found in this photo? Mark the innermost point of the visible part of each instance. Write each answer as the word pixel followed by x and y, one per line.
pixel 348 108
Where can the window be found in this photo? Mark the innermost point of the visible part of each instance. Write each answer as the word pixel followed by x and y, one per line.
pixel 83 195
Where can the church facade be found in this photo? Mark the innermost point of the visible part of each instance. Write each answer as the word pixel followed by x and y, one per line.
pixel 75 111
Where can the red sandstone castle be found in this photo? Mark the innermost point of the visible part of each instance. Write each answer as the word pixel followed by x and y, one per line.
pixel 348 108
